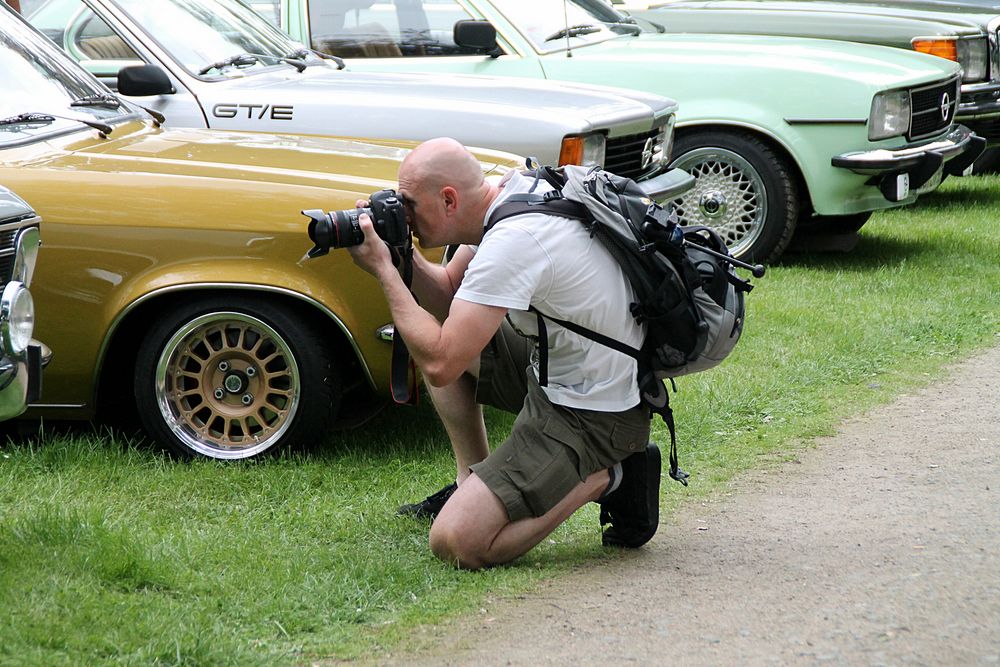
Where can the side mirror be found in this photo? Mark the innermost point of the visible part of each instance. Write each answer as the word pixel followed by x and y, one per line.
pixel 478 35
pixel 143 81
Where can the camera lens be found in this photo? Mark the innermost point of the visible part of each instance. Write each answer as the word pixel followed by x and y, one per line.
pixel 346 227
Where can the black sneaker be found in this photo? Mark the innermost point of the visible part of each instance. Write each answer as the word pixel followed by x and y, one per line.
pixel 429 507
pixel 633 509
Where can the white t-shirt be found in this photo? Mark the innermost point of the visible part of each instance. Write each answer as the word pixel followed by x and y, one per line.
pixel 553 264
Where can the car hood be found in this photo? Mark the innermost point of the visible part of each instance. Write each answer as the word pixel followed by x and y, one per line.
pixel 300 161
pixel 12 206
pixel 910 18
pixel 729 56
pixel 376 102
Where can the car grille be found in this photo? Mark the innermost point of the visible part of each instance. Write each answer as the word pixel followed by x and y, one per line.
pixel 8 237
pixel 932 108
pixel 623 155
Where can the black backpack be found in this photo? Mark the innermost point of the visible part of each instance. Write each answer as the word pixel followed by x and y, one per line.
pixel 687 294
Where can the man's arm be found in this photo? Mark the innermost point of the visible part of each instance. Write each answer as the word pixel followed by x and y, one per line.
pixel 435 285
pixel 442 350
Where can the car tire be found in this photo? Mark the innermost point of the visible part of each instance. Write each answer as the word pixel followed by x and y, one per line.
pixel 743 189
pixel 235 378
pixel 832 225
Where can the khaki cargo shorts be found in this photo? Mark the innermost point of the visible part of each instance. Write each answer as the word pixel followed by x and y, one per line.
pixel 551 448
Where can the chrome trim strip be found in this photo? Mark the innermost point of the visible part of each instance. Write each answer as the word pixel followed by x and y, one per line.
pixel 58 406
pixel 826 121
pixel 102 352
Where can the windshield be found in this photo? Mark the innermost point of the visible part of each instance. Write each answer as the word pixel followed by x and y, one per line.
pixel 37 78
pixel 548 24
pixel 200 33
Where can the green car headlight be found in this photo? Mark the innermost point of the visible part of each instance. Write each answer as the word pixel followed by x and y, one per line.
pixel 17 318
pixel 890 116
pixel 973 56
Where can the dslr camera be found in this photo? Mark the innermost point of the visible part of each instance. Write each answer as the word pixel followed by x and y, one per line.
pixel 342 229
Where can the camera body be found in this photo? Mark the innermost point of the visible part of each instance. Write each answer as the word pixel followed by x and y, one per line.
pixel 342 229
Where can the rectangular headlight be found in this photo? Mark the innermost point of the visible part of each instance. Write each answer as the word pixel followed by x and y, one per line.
pixel 973 56
pixel 890 116
pixel 585 150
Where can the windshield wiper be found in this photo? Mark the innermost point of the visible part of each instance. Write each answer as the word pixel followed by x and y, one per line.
pixel 247 59
pixel 304 53
pixel 39 118
pixel 628 26
pixel 573 31
pixel 105 100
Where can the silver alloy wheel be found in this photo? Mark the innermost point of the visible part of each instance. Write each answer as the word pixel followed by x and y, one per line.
pixel 729 196
pixel 227 385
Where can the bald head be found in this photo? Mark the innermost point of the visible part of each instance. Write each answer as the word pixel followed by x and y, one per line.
pixel 441 162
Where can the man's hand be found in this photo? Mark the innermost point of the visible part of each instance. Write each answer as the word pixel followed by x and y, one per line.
pixel 372 255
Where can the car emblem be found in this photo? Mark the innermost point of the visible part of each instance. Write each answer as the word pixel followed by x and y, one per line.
pixel 945 106
pixel 647 153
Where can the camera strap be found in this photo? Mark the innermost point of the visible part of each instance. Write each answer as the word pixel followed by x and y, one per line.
pixel 403 372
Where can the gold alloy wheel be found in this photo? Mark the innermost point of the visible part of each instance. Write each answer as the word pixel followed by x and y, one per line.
pixel 227 385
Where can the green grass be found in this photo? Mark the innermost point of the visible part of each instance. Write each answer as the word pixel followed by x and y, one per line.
pixel 110 553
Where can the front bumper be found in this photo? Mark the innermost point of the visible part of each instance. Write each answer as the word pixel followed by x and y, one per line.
pixel 916 170
pixel 21 379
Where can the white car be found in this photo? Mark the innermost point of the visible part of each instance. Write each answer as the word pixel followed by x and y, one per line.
pixel 217 64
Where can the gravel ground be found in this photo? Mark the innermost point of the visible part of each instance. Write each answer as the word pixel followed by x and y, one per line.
pixel 881 546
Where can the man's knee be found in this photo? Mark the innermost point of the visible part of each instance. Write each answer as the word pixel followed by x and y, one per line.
pixel 452 544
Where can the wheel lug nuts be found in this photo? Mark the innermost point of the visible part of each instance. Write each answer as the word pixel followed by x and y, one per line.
pixel 251 371
pixel 223 366
pixel 247 399
pixel 219 393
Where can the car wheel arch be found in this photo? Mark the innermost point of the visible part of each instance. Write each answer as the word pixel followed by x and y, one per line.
pixel 120 347
pixel 760 241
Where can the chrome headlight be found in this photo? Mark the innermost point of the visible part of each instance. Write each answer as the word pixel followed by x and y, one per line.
pixel 587 149
pixel 26 253
pixel 17 318
pixel 973 56
pixel 890 116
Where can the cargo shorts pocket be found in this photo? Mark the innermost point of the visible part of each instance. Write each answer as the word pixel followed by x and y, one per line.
pixel 629 437
pixel 554 469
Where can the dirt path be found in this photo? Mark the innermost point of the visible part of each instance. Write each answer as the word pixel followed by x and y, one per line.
pixel 879 547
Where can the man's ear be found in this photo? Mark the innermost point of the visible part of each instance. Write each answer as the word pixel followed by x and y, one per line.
pixel 449 197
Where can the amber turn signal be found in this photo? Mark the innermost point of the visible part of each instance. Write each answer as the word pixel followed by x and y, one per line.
pixel 943 48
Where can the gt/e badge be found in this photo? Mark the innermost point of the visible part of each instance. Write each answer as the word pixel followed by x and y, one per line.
pixel 253 111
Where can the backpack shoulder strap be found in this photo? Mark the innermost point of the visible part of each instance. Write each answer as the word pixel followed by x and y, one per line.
pixel 521 204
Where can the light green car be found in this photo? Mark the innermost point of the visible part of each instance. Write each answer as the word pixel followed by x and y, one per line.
pixel 779 132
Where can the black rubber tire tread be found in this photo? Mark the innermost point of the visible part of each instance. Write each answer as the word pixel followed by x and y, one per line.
pixel 320 382
pixel 779 181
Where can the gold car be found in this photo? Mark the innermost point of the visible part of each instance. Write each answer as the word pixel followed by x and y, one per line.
pixel 172 271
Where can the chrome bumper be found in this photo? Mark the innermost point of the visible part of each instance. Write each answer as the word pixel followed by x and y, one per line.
pixel 21 379
pixel 919 169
